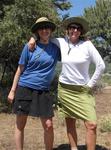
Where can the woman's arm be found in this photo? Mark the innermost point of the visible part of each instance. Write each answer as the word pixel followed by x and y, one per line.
pixel 99 64
pixel 15 83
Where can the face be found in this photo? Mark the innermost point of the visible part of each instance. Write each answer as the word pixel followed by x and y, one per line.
pixel 74 32
pixel 44 33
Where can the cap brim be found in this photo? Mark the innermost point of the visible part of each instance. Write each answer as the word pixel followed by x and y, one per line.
pixel 36 26
pixel 78 20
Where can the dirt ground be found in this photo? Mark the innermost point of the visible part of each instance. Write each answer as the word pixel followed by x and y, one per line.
pixel 34 131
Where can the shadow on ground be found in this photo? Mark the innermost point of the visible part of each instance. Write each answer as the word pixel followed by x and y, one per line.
pixel 80 147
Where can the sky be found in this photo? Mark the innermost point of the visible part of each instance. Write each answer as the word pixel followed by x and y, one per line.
pixel 78 6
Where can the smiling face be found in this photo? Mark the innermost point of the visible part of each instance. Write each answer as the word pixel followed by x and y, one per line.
pixel 44 33
pixel 74 32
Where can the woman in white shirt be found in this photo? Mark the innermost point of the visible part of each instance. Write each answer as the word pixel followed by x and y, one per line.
pixel 75 85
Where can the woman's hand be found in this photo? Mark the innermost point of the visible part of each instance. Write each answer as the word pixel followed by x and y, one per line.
pixel 32 44
pixel 11 96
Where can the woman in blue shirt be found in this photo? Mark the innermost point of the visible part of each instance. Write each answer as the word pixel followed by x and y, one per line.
pixel 32 81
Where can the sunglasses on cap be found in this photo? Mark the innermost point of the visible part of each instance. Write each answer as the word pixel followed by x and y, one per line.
pixel 74 26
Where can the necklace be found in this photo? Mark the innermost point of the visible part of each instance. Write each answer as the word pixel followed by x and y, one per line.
pixel 70 48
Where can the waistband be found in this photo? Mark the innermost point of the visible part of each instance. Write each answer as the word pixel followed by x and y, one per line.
pixel 79 88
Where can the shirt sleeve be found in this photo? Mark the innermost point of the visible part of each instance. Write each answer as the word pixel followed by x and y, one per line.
pixel 24 56
pixel 59 54
pixel 99 63
pixel 57 43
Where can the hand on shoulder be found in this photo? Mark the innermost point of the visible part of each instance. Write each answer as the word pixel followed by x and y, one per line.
pixel 32 44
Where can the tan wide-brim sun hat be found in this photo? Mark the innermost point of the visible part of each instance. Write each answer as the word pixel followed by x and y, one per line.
pixel 42 21
pixel 77 20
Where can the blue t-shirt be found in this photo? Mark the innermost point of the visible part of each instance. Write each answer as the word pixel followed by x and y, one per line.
pixel 39 66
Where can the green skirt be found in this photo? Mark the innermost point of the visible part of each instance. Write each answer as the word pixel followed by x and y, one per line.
pixel 76 102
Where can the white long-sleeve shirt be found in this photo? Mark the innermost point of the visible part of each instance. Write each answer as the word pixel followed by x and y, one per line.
pixel 75 65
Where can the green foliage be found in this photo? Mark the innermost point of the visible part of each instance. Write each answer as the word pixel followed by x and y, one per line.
pixel 108 68
pixel 16 24
pixel 2 3
pixel 62 4
pixel 99 18
pixel 106 79
pixel 105 124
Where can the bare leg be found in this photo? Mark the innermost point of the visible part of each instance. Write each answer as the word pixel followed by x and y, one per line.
pixel 19 131
pixel 48 133
pixel 90 135
pixel 71 132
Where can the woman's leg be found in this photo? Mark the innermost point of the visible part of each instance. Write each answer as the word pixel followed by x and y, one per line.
pixel 71 132
pixel 19 131
pixel 90 135
pixel 48 133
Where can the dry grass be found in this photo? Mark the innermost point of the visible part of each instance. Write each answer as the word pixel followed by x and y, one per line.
pixel 34 131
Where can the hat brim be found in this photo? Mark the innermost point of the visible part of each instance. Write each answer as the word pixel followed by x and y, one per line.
pixel 37 26
pixel 78 20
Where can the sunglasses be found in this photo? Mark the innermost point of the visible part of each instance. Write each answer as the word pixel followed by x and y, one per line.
pixel 45 27
pixel 75 26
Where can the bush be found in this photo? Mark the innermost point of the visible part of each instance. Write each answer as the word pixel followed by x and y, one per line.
pixel 106 78
pixel 105 124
